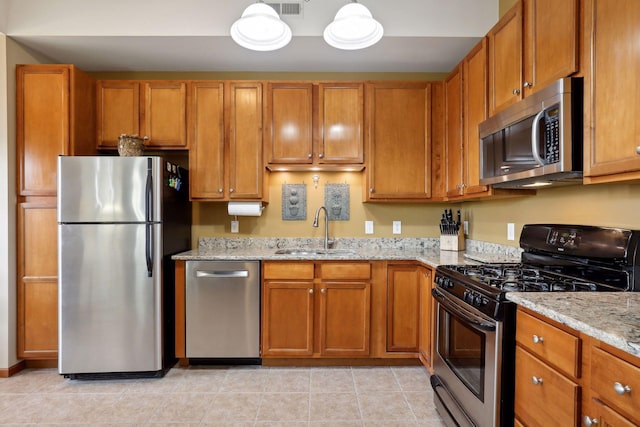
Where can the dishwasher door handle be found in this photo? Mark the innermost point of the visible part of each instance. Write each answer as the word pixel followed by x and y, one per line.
pixel 222 274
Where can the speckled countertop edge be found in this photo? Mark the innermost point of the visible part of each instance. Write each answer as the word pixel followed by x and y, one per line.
pixel 611 317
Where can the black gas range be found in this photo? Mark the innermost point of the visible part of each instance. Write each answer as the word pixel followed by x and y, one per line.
pixel 556 258
pixel 474 362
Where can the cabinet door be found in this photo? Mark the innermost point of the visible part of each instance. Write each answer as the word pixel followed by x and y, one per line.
pixel 603 416
pixel 206 141
pixel 455 156
pixel 550 42
pixel 163 114
pixel 42 104
pixel 612 93
pixel 118 111
pixel 398 141
pixel 37 280
pixel 287 318
pixel 341 123
pixel 288 134
pixel 505 60
pixel 543 397
pixel 403 308
pixel 345 319
pixel 426 315
pixel 246 167
pixel 475 79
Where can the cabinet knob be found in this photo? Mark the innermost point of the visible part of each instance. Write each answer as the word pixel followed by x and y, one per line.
pixel 371 190
pixel 537 339
pixel 536 381
pixel 621 389
pixel 323 291
pixel 527 84
pixel 220 190
pixel 638 149
pixel 321 155
pixel 309 155
pixel 589 421
pixel 516 91
pixel 231 190
pixel 310 291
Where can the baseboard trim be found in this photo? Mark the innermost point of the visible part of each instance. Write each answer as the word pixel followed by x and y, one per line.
pixel 12 370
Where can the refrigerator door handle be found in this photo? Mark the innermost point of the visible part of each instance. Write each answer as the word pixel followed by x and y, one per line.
pixel 148 218
pixel 149 191
pixel 149 248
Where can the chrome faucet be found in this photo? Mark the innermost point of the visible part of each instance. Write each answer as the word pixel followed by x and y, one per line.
pixel 326 225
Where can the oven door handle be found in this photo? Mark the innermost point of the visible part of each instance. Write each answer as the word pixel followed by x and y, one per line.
pixel 462 312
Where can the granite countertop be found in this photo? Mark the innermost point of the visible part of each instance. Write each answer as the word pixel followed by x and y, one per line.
pixel 425 251
pixel 611 317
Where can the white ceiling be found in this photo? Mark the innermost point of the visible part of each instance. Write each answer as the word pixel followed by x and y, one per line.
pixel 193 35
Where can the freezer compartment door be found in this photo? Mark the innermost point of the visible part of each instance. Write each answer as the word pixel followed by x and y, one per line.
pixel 110 312
pixel 93 189
pixel 223 309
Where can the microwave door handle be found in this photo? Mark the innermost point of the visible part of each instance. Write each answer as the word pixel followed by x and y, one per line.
pixel 534 139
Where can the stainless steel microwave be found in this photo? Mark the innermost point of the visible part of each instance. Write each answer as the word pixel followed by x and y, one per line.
pixel 537 141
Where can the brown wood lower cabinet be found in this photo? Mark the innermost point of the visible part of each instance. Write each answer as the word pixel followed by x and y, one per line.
pixel 37 280
pixel 403 307
pixel 316 309
pixel 567 378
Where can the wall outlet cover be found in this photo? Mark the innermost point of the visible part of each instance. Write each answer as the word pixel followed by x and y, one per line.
pixel 235 226
pixel 511 231
pixel 397 227
pixel 368 227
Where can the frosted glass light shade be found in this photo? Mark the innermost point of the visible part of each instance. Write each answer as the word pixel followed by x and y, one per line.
pixel 260 28
pixel 353 28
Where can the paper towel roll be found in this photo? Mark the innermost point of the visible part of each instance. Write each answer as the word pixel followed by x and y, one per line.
pixel 245 208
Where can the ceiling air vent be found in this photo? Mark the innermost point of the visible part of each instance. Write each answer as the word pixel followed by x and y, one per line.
pixel 287 9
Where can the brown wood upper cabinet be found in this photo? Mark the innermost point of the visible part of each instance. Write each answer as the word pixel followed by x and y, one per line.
pixel 533 44
pixel 225 140
pixel 155 109
pixel 398 141
pixel 55 112
pixel 611 131
pixel 314 124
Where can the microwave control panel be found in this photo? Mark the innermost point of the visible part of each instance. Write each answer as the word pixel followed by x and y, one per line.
pixel 552 134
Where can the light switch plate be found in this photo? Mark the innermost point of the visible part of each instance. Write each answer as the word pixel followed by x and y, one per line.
pixel 397 227
pixel 235 227
pixel 511 231
pixel 368 227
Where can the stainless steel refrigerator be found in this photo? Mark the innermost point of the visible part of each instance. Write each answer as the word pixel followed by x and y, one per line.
pixel 119 221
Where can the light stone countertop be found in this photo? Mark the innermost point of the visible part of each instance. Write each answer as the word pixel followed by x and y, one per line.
pixel 611 317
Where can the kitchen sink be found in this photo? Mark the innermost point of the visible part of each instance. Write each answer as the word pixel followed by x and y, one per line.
pixel 303 251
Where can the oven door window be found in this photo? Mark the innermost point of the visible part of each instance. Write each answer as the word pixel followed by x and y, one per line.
pixel 462 347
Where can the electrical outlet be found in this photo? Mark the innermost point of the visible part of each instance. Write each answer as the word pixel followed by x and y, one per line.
pixel 511 231
pixel 466 227
pixel 235 226
pixel 397 227
pixel 368 227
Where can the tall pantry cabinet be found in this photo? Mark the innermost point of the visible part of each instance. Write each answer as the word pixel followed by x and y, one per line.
pixel 55 109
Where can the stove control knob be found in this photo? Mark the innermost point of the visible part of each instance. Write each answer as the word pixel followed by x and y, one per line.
pixel 477 301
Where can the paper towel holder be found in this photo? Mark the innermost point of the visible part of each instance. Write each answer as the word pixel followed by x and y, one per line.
pixel 245 209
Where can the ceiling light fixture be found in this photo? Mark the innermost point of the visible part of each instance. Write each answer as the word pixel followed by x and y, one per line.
pixel 353 28
pixel 260 28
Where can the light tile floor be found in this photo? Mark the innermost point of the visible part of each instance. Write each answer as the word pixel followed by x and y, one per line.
pixel 228 396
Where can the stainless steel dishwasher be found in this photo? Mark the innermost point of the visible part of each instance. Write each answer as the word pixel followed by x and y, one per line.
pixel 223 309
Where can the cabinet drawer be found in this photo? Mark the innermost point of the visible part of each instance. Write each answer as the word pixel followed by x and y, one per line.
pixel 288 270
pixel 345 270
pixel 608 374
pixel 553 401
pixel 549 343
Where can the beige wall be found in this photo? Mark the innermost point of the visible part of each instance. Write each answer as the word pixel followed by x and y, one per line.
pixel 607 205
pixel 504 5
pixel 10 54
